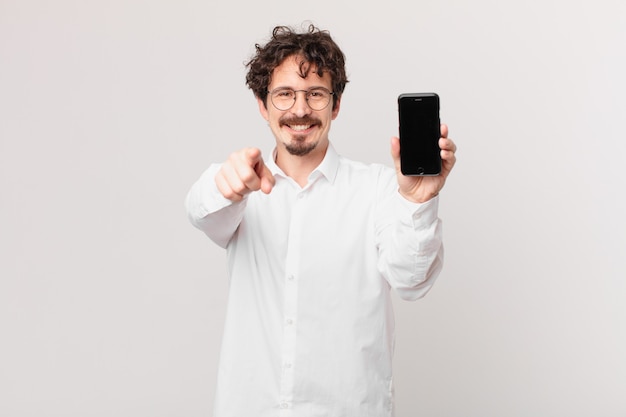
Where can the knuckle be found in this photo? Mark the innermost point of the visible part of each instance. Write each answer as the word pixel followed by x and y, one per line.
pixel 249 177
pixel 238 188
pixel 233 197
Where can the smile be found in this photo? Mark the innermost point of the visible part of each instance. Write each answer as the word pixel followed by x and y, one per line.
pixel 299 128
pixel 300 124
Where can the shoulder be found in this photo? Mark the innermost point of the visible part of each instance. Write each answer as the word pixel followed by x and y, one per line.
pixel 347 165
pixel 366 174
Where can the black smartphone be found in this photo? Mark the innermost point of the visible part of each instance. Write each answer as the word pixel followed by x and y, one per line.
pixel 419 134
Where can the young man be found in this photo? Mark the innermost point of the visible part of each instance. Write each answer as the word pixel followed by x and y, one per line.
pixel 314 255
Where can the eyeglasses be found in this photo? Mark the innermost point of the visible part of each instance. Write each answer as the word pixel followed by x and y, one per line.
pixel 284 98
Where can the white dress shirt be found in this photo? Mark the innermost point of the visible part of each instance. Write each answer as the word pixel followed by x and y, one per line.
pixel 309 326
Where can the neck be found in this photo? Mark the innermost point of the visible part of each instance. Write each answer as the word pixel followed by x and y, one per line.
pixel 299 168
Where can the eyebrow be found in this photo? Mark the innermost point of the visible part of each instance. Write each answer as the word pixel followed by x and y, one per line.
pixel 310 88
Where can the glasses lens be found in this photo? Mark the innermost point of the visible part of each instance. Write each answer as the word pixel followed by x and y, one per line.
pixel 318 98
pixel 283 98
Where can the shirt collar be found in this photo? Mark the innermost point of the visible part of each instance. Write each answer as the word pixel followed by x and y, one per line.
pixel 327 168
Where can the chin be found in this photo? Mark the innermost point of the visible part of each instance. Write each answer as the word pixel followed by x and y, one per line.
pixel 299 147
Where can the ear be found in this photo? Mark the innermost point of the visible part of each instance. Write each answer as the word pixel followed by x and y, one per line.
pixel 263 109
pixel 336 108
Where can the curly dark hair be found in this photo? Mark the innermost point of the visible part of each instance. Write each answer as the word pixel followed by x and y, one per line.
pixel 315 46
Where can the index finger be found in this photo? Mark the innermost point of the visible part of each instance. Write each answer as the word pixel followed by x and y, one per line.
pixel 252 155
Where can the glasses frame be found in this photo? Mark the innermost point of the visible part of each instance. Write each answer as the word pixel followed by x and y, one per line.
pixel 295 97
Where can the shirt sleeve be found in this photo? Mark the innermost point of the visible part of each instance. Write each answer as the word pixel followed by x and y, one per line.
pixel 409 241
pixel 210 211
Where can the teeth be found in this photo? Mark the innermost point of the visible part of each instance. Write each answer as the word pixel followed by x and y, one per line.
pixel 300 127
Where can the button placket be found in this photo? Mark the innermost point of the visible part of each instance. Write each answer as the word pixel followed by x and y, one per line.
pixel 290 303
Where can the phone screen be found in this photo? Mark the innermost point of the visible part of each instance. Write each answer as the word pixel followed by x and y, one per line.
pixel 419 134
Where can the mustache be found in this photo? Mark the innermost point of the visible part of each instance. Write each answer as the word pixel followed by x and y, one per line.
pixel 290 120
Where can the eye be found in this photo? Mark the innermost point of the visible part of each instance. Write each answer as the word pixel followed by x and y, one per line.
pixel 284 93
pixel 317 93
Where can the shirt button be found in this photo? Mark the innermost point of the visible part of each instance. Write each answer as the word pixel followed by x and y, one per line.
pixel 290 277
pixel 289 322
pixel 284 405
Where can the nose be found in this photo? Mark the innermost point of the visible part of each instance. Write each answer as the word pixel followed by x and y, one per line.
pixel 300 107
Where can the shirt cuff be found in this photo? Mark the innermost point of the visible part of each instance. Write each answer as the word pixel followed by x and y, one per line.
pixel 205 198
pixel 422 214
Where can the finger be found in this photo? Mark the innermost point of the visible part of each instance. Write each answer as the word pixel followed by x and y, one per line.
pixel 266 177
pixel 225 188
pixel 252 156
pixel 444 130
pixel 447 144
pixel 448 156
pixel 239 174
pixel 232 175
pixel 246 167
pixel 395 151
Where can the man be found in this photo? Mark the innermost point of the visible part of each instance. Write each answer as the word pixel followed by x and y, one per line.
pixel 314 255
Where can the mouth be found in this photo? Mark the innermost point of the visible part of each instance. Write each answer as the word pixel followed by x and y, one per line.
pixel 300 125
pixel 299 128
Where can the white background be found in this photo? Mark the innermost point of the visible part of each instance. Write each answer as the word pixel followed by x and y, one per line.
pixel 111 304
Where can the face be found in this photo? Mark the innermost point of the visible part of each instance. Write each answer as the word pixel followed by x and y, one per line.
pixel 300 131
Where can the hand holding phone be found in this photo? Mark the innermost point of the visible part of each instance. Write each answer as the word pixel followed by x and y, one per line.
pixel 419 134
